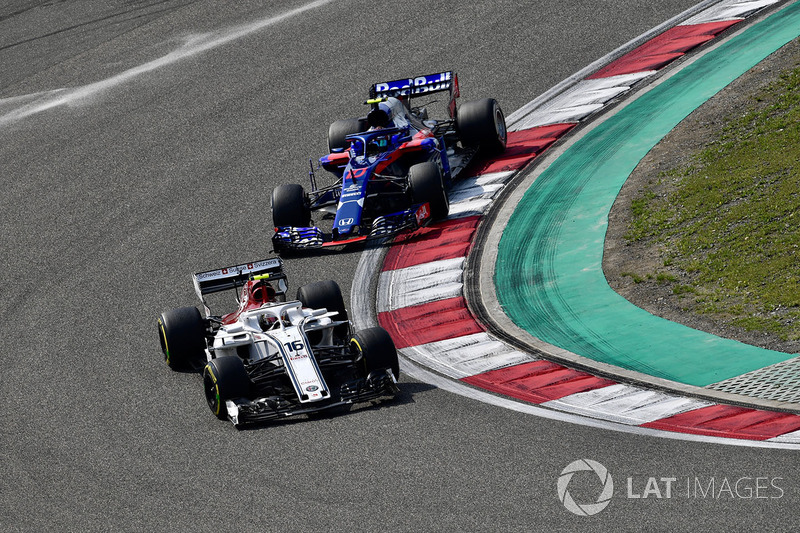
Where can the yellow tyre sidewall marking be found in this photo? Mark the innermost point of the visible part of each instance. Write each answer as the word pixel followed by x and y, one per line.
pixel 354 341
pixel 361 351
pixel 164 338
pixel 210 370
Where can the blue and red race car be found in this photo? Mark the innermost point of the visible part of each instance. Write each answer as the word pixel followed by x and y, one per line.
pixel 393 167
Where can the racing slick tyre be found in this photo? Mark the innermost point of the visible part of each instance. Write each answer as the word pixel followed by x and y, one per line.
pixel 378 350
pixel 224 378
pixel 425 180
pixel 342 128
pixel 325 294
pixel 289 206
pixel 182 335
pixel 481 124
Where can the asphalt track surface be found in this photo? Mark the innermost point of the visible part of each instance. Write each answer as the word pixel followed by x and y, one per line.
pixel 157 160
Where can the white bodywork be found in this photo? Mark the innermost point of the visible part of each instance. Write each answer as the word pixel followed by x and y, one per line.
pixel 287 325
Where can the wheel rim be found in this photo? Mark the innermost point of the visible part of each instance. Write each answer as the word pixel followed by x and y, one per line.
pixel 500 125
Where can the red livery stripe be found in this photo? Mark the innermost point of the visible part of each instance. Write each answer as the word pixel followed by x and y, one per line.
pixel 344 242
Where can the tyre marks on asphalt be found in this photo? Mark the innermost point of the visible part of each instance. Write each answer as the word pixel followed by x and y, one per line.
pixel 420 289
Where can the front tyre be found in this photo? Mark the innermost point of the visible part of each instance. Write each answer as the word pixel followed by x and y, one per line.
pixel 425 181
pixel 224 378
pixel 181 333
pixel 325 294
pixel 341 129
pixel 289 207
pixel 377 350
pixel 481 124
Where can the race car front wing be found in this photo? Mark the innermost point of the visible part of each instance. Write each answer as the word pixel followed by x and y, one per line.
pixel 299 238
pixel 377 385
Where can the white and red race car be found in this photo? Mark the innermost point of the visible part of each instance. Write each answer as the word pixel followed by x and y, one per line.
pixel 271 358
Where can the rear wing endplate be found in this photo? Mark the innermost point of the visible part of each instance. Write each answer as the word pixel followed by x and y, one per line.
pixel 235 276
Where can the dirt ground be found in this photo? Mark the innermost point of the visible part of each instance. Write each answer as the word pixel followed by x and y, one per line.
pixel 675 150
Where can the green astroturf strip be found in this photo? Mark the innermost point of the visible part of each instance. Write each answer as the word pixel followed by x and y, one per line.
pixel 549 276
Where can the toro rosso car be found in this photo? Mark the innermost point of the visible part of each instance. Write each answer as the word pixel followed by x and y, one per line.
pixel 392 167
pixel 271 358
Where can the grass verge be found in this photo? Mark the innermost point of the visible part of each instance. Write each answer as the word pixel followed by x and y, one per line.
pixel 728 223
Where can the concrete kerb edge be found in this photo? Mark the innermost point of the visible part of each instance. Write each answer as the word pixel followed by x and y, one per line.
pixel 480 266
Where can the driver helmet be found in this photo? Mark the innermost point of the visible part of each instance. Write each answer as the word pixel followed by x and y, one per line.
pixel 261 292
pixel 266 322
pixel 380 116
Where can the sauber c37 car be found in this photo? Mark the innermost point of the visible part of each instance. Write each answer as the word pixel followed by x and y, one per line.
pixel 393 167
pixel 272 358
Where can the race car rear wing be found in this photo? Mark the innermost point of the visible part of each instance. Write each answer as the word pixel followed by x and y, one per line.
pixel 408 87
pixel 233 277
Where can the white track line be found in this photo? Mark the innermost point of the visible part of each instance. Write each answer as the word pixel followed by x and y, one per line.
pixel 193 45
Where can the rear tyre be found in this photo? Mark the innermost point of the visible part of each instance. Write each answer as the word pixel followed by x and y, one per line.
pixel 224 378
pixel 377 349
pixel 481 123
pixel 425 180
pixel 325 294
pixel 342 128
pixel 289 206
pixel 182 335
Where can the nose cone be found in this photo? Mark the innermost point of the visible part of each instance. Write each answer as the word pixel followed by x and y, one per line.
pixel 346 226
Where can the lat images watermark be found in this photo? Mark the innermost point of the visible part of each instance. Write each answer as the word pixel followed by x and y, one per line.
pixel 601 483
pixel 586 509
